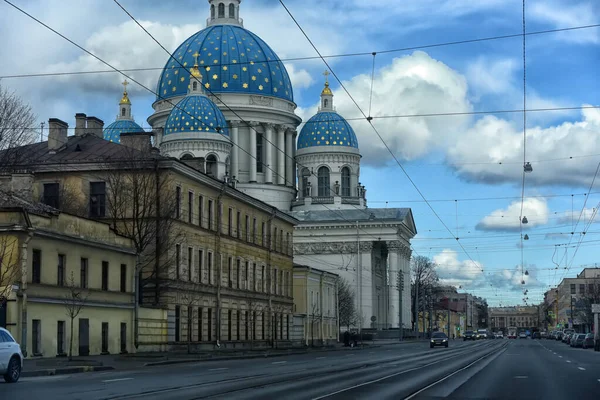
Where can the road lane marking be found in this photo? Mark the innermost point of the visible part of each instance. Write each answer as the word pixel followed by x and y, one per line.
pixel 560 356
pixel 521 377
pixel 117 380
pixel 218 369
pixel 371 352
pixel 320 358
pixel 279 362
pixel 581 368
pixel 348 355
pixel 568 361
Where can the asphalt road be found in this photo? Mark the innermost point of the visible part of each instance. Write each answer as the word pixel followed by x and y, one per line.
pixel 496 369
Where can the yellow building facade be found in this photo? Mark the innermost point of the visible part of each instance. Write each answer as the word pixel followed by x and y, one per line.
pixel 64 266
pixel 224 271
pixel 315 306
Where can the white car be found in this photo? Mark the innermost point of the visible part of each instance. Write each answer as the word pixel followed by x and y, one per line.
pixel 523 335
pixel 11 358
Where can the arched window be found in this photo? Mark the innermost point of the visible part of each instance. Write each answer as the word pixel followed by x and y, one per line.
pixel 211 165
pixel 187 156
pixel 221 10
pixel 195 85
pixel 123 112
pixel 323 181
pixel 346 181
pixel 325 103
pixel 305 176
pixel 231 11
pixel 212 11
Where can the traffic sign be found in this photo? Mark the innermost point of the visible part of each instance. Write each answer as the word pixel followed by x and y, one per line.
pixel 596 308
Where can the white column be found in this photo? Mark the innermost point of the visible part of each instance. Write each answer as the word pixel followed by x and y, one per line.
pixel 281 154
pixel 235 155
pixel 289 159
pixel 269 153
pixel 294 169
pixel 252 158
pixel 393 317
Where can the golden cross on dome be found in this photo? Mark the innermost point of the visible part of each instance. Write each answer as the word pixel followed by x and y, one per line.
pixel 196 55
pixel 125 83
pixel 326 73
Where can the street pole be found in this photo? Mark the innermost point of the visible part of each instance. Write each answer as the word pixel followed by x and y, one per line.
pixel 572 324
pixel 417 308
pixel 400 290
pixel 448 317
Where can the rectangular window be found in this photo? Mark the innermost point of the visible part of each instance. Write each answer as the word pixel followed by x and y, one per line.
pixel 178 202
pixel 60 337
pixel 189 262
pixel 254 277
pixel 287 324
pixel 264 283
pixel 254 327
pixel 573 288
pixel 230 222
pixel 264 235
pixel 104 275
pixel 83 273
pixel 273 243
pixel 190 207
pixel 177 322
pixel 210 324
pixel 247 322
pixel 581 288
pixel 210 215
pixel 200 314
pixel 190 321
pixel 97 199
pixel 274 286
pixel 254 230
pixel 36 266
pixel 591 288
pixel 230 271
pixel 287 244
pixel 104 337
pixel 51 195
pixel 123 337
pixel 177 260
pixel 239 273
pixel 210 269
pixel 247 285
pixel 247 228
pixel 60 270
pixel 238 326
pixel 229 324
pixel 259 152
pixel 123 281
pixel 199 266
pixel 238 225
pixel 200 211
pixel 36 336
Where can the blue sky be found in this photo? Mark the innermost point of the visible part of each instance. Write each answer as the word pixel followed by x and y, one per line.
pixel 462 158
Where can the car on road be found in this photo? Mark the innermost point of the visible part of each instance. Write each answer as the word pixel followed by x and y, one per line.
pixel 588 342
pixel 499 335
pixel 469 335
pixel 523 335
pixel 482 334
pixel 536 335
pixel 544 335
pixel 577 339
pixel 438 339
pixel 11 358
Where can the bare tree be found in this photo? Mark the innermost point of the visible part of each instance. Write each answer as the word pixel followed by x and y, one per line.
pixel 16 125
pixel 142 206
pixel 346 304
pixel 424 282
pixel 192 299
pixel 314 318
pixel 255 310
pixel 74 301
pixel 10 270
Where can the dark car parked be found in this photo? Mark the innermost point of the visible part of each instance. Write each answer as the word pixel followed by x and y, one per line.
pixel 536 335
pixel 588 342
pixel 438 339
pixel 469 335
pixel 577 340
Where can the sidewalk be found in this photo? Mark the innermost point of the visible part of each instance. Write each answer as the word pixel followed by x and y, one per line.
pixel 61 365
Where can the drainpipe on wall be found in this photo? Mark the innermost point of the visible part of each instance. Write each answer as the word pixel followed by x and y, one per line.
pixel 136 307
pixel 23 291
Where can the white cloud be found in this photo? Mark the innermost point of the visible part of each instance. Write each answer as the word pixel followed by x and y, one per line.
pixel 492 76
pixel 535 209
pixel 412 84
pixel 567 14
pixel 300 78
pixel 455 272
pixel 584 217
pixel 494 150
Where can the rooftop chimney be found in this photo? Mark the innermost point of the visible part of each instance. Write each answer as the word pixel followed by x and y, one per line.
pixel 80 124
pixel 137 140
pixel 95 126
pixel 57 137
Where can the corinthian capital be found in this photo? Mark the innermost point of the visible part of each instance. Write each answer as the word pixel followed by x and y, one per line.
pixel 268 125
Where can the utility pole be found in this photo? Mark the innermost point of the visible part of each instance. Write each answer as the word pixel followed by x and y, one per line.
pixel 448 317
pixel 572 324
pixel 417 307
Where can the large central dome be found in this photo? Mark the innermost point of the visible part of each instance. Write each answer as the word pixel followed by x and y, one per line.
pixel 234 61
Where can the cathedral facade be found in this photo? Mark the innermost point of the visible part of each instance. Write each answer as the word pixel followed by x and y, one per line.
pixel 225 99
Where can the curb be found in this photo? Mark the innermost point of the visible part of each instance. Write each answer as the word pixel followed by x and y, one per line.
pixel 224 358
pixel 64 371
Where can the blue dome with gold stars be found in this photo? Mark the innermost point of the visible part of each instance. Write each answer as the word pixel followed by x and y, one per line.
pixel 196 113
pixel 112 132
pixel 327 129
pixel 232 60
